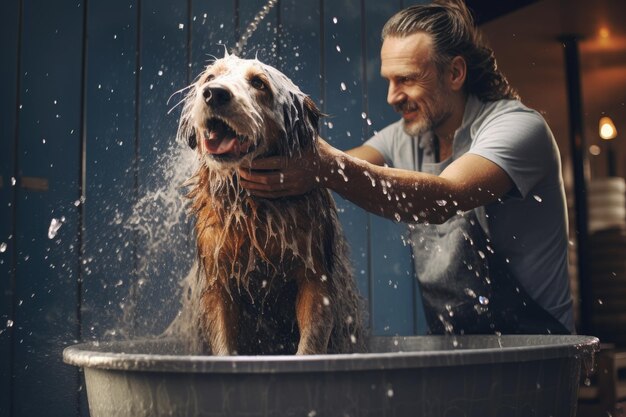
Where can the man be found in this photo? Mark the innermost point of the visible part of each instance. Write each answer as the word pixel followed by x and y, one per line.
pixel 475 173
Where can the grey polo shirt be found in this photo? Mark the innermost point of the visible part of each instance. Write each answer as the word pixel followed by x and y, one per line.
pixel 528 227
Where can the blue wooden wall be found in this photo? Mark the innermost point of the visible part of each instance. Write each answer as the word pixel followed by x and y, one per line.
pixel 86 140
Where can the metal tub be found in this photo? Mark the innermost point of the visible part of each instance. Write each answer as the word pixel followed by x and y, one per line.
pixel 438 376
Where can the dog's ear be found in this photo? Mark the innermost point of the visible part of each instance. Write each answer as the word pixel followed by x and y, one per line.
pixel 312 113
pixel 186 133
pixel 301 117
pixel 191 140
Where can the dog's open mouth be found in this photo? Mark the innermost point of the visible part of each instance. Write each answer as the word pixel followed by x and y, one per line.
pixel 223 142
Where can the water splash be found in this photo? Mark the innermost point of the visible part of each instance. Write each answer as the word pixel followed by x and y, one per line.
pixel 252 27
pixel 55 225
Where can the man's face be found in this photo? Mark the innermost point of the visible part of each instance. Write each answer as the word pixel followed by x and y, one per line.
pixel 416 90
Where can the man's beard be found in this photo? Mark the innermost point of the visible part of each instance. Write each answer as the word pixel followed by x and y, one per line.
pixel 430 117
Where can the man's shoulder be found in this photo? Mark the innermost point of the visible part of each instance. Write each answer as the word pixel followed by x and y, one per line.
pixel 508 114
pixel 394 129
pixel 509 110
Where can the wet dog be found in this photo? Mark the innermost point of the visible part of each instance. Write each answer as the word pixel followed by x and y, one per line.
pixel 274 274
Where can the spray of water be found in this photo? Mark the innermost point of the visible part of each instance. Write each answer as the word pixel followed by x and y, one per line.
pixel 159 220
pixel 252 27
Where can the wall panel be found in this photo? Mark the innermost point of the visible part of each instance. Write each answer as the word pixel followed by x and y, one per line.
pixel 344 103
pixel 393 301
pixel 47 264
pixel 110 106
pixel 162 228
pixel 9 29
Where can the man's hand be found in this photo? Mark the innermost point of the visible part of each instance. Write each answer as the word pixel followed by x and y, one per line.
pixel 277 176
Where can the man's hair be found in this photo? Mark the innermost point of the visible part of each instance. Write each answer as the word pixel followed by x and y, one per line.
pixel 453 32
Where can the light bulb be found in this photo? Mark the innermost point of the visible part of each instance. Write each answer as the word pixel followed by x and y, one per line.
pixel 607 128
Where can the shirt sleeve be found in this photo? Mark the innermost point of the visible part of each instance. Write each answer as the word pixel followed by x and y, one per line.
pixel 521 143
pixel 383 142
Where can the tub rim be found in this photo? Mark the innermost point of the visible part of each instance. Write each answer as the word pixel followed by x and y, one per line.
pixel 95 355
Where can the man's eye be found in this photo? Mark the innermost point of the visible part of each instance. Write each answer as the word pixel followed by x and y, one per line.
pixel 257 83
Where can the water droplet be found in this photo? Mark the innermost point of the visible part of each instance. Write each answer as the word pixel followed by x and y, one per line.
pixel 441 203
pixel 55 225
pixel 13 181
pixel 312 413
pixel 343 87
pixel 536 197
pixel 363 115
pixel 3 247
pixel 181 26
pixel 338 48
pixel 324 278
pixel 114 36
pixel 483 300
pixel 160 73
pixel 600 301
pixel 390 393
pixel 353 339
pixel 9 323
pixel 587 382
pixel 335 20
pixel 326 301
pixel 397 216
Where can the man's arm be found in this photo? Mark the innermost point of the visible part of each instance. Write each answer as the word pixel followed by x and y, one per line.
pixel 401 195
pixel 410 196
pixel 367 153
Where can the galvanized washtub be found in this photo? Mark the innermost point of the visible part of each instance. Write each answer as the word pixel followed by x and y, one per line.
pixel 438 376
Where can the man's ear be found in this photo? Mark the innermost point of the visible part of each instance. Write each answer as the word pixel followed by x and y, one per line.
pixel 458 73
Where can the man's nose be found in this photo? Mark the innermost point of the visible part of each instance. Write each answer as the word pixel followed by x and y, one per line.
pixel 395 95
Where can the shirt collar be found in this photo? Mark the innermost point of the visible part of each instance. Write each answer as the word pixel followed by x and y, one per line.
pixel 472 107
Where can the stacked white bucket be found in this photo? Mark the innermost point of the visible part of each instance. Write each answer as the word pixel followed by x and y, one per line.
pixel 607 253
pixel 607 204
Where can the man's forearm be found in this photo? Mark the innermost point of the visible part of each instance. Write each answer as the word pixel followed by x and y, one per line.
pixel 396 194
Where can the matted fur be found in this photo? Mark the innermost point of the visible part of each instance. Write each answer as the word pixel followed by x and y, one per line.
pixel 274 275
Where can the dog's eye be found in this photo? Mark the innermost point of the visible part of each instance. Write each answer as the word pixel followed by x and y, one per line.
pixel 257 83
pixel 209 77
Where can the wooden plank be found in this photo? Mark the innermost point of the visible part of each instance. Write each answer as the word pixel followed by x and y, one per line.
pixel 212 31
pixel 300 44
pixel 109 247
pixel 263 43
pixel 395 296
pixel 47 266
pixel 9 27
pixel 165 249
pixel 343 102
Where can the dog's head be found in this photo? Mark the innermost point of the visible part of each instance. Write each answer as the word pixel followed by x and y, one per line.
pixel 241 109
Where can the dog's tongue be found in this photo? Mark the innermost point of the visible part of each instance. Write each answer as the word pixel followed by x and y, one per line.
pixel 219 145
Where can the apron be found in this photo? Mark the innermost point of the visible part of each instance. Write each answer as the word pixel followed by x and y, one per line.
pixel 466 286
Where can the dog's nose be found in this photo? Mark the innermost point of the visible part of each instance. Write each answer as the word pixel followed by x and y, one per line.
pixel 216 96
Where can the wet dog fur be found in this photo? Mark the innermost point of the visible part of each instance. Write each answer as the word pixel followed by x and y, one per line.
pixel 274 275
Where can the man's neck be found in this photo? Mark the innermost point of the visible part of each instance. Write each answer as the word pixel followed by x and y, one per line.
pixel 444 134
